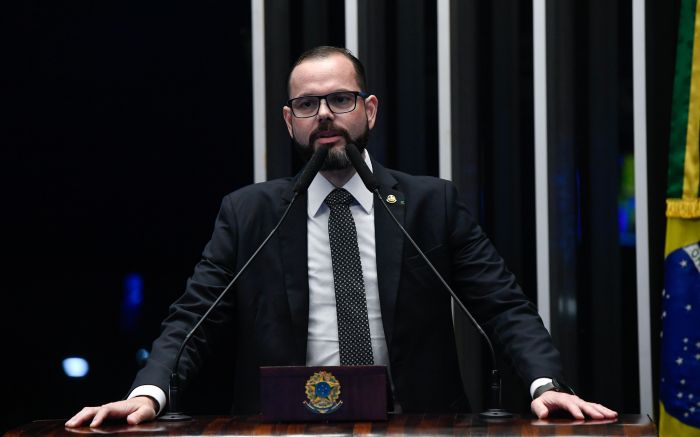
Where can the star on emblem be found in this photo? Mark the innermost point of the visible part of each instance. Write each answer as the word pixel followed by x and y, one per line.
pixel 679 395
pixel 684 263
pixel 688 307
pixel 682 381
pixel 679 360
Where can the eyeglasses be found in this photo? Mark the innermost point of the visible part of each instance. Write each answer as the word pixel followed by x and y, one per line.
pixel 338 102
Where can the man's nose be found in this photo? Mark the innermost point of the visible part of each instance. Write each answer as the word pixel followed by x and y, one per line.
pixel 324 111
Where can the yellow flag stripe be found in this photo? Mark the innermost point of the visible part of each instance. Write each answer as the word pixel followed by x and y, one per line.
pixel 680 233
pixel 669 426
pixel 691 173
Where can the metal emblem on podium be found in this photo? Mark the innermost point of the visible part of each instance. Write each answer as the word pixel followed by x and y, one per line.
pixel 323 393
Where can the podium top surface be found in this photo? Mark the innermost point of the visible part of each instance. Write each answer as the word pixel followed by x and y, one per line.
pixel 409 425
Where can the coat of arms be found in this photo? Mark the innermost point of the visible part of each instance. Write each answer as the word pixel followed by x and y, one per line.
pixel 323 393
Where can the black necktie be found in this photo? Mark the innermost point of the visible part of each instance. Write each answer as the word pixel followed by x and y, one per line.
pixel 350 300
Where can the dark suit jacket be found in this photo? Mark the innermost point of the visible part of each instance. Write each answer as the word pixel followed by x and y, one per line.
pixel 266 316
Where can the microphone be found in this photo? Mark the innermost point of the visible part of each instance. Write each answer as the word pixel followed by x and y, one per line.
pixel 307 175
pixel 312 167
pixel 494 411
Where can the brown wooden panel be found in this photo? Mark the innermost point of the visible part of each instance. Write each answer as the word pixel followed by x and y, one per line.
pixel 397 425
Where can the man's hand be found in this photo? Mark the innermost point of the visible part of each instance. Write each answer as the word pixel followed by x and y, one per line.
pixel 135 410
pixel 551 401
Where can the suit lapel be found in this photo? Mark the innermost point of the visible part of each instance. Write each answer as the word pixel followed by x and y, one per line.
pixel 293 244
pixel 389 245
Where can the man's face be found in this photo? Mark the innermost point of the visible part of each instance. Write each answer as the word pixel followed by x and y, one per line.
pixel 318 77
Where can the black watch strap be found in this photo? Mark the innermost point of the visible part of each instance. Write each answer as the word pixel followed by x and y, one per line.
pixel 555 385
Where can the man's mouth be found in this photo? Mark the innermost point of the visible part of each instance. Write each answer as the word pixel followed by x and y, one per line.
pixel 327 136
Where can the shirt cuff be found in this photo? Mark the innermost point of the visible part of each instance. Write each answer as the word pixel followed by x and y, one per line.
pixel 539 382
pixel 151 391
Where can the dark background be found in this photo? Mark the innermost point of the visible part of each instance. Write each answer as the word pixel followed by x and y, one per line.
pixel 126 122
pixel 125 125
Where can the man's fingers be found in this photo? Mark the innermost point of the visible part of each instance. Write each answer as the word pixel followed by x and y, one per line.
pixel 116 410
pixel 136 410
pixel 83 416
pixel 591 410
pixel 574 409
pixel 103 413
pixel 143 414
pixel 540 410
pixel 605 411
pixel 577 407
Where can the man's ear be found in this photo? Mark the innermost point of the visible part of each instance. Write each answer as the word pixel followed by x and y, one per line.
pixel 371 107
pixel 287 115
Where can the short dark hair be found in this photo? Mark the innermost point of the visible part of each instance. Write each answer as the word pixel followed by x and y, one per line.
pixel 326 51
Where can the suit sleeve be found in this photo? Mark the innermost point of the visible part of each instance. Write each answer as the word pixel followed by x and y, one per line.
pixel 490 291
pixel 211 275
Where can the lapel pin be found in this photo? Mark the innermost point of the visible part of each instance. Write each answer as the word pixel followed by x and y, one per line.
pixel 391 198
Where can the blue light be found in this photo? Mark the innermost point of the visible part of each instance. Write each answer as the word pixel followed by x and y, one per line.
pixel 133 290
pixel 131 303
pixel 75 367
pixel 142 356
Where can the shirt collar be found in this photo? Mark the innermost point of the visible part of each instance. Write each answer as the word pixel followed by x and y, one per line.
pixel 320 188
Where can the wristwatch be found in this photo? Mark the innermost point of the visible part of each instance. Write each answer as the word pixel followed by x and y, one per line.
pixel 555 385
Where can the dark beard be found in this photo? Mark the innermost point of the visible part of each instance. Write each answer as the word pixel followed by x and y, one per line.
pixel 336 160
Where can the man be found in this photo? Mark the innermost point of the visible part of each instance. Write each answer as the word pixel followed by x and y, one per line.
pixel 284 310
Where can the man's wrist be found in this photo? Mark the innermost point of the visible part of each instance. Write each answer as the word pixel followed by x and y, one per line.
pixel 539 382
pixel 553 385
pixel 155 393
pixel 154 403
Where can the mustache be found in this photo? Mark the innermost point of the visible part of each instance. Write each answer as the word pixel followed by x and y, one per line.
pixel 313 136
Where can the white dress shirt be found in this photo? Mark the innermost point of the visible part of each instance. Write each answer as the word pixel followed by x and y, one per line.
pixel 322 348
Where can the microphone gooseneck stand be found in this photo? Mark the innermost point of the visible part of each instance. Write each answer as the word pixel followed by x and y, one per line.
pixel 494 411
pixel 173 414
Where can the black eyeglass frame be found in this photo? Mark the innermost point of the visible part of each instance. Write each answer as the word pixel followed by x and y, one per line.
pixel 357 94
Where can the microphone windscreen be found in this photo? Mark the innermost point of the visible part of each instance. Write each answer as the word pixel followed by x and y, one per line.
pixel 359 163
pixel 312 167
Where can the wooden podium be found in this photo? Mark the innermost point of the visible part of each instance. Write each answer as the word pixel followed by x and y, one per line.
pixel 397 425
